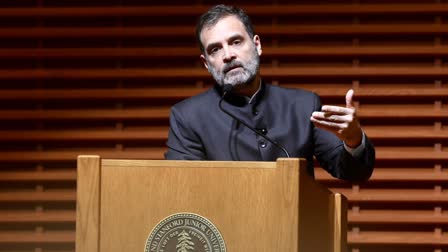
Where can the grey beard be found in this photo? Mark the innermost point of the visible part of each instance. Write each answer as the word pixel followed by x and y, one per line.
pixel 240 77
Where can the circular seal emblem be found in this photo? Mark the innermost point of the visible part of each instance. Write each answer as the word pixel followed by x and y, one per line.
pixel 185 232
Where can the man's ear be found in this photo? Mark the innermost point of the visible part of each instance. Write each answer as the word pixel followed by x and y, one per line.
pixel 257 43
pixel 204 61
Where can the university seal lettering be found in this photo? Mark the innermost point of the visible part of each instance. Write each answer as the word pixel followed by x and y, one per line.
pixel 185 232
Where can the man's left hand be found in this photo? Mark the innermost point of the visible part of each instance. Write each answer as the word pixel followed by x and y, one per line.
pixel 341 121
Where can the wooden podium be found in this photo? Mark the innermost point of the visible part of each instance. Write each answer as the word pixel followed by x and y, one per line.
pixel 256 206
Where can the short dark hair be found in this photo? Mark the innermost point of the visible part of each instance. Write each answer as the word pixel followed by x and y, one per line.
pixel 216 13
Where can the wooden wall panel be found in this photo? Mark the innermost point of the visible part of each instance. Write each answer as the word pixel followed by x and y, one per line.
pixel 99 77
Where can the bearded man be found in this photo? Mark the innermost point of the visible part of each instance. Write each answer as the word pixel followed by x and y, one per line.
pixel 200 130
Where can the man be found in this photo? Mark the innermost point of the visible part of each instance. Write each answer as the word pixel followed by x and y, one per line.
pixel 201 130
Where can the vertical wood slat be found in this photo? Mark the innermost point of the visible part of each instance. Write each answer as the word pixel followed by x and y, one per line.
pixel 339 217
pixel 88 204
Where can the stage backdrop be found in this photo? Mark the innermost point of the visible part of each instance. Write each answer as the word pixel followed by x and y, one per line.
pixel 98 77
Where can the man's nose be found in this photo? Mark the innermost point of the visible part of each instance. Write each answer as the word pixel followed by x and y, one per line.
pixel 229 54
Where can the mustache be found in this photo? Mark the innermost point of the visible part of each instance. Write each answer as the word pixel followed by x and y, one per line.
pixel 231 65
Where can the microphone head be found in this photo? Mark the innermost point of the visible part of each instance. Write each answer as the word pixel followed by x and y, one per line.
pixel 227 88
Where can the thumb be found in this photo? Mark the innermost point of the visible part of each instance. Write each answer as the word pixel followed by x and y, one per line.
pixel 349 99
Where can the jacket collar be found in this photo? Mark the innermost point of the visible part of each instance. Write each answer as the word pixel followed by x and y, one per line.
pixel 240 101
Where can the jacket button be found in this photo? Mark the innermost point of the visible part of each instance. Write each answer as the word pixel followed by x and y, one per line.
pixel 264 131
pixel 263 144
pixel 255 112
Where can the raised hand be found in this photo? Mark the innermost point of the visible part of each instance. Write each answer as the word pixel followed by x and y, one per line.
pixel 341 121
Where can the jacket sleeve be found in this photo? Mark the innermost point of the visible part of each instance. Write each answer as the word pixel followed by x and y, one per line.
pixel 183 143
pixel 333 157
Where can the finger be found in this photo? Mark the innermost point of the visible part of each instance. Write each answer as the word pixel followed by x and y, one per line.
pixel 329 117
pixel 349 99
pixel 323 126
pixel 328 124
pixel 337 110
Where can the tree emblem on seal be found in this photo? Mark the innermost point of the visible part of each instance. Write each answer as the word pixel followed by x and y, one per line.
pixel 184 242
pixel 185 232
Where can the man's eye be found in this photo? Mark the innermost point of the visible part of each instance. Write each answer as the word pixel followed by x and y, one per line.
pixel 214 50
pixel 237 42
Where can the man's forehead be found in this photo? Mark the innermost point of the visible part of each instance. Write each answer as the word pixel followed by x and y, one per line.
pixel 225 28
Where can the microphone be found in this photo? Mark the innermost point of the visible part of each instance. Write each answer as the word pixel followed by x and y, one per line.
pixel 226 89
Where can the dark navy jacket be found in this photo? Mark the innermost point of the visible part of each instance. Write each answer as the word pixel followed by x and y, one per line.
pixel 199 130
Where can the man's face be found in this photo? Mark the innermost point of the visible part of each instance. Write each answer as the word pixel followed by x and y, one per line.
pixel 231 56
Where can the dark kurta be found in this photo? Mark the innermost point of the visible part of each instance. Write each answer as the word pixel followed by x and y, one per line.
pixel 199 130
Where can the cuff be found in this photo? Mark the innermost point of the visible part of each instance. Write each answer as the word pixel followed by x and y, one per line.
pixel 356 152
